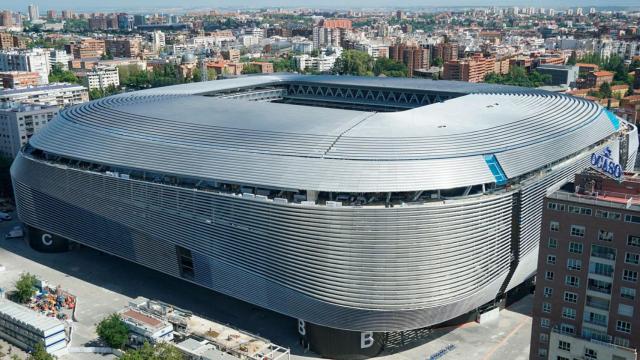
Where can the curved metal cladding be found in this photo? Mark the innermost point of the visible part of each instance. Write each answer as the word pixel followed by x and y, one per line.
pixel 350 268
pixel 361 268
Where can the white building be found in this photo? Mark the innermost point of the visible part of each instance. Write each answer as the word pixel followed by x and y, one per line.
pixel 102 77
pixel 34 60
pixel 322 63
pixel 158 40
pixel 59 57
pixel 18 122
pixel 304 47
pixel 34 13
pixel 60 95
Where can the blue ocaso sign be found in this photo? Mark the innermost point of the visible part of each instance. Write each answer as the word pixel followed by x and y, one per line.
pixel 604 162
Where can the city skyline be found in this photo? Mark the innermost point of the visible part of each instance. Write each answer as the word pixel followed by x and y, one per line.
pixel 146 5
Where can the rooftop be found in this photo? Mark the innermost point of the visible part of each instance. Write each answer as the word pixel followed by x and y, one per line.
pixel 29 317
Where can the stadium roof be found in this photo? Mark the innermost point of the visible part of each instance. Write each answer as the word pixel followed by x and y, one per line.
pixel 176 130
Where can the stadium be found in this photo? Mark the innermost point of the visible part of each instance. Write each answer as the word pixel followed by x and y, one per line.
pixel 359 206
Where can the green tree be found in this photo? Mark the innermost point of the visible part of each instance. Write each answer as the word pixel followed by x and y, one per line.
pixel 58 74
pixel 438 62
pixel 159 351
pixel 251 69
pixel 40 353
pixel 113 331
pixel 573 58
pixel 629 91
pixel 605 90
pixel 518 76
pixel 389 67
pixel 25 287
pixel 353 62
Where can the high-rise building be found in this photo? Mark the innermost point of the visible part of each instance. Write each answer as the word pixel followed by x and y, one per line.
pixel 579 11
pixel 51 14
pixel 446 51
pixel 18 122
pixel 588 289
pixel 59 58
pixel 86 48
pixel 34 60
pixel 125 22
pixel 68 14
pixel 6 18
pixel 123 47
pixel 471 70
pixel 34 13
pixel 415 57
pixel 158 40
pixel 399 15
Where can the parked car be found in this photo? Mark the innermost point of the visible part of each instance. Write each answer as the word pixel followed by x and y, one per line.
pixel 16 232
pixel 5 216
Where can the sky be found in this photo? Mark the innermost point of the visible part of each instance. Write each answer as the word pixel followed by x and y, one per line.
pixel 157 5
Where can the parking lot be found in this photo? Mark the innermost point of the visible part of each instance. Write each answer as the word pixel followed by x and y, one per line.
pixel 104 284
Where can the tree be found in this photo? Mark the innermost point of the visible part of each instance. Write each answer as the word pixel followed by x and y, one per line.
pixel 629 91
pixel 353 62
pixel 573 58
pixel 251 69
pixel 390 67
pixel 159 351
pixel 605 90
pixel 518 76
pixel 113 331
pixel 25 287
pixel 438 62
pixel 58 74
pixel 40 353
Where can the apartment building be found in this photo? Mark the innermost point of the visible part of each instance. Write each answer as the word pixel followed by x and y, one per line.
pixel 35 60
pixel 60 95
pixel 415 57
pixel 18 122
pixel 125 47
pixel 14 79
pixel 587 286
pixel 471 70
pixel 101 77
pixel 86 48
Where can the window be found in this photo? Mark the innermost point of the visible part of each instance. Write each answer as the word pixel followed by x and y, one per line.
pixel 548 275
pixel 629 275
pixel 608 215
pixel 597 302
pixel 623 326
pixel 600 269
pixel 185 262
pixel 599 286
pixel 570 297
pixel 577 230
pixel 571 280
pixel 603 252
pixel 628 293
pixel 546 307
pixel 554 226
pixel 567 329
pixel 553 243
pixel 590 354
pixel 633 240
pixel 551 259
pixel 604 235
pixel 544 338
pixel 542 353
pixel 563 345
pixel 625 310
pixel 574 264
pixel 632 258
pixel 632 219
pixel 575 248
pixel 556 206
pixel 569 313
pixel 595 318
pixel 621 341
pixel 544 322
pixel 548 292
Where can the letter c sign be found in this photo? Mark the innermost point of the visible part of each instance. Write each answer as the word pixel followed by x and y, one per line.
pixel 46 239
